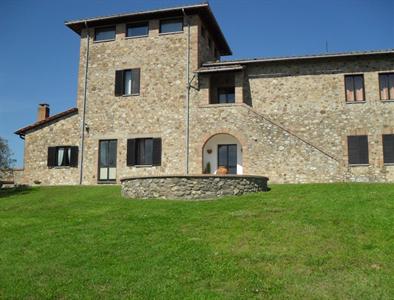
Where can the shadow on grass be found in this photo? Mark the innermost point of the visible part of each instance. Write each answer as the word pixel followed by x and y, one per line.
pixel 12 191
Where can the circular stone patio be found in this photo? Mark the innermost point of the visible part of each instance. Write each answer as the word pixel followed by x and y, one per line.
pixel 191 187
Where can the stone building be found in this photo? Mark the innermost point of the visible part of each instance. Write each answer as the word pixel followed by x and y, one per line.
pixel 155 98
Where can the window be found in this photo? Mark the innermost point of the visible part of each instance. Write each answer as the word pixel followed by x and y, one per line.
pixel 63 156
pixel 171 25
pixel 358 150
pixel 144 151
pixel 137 29
pixel 388 148
pixel 226 95
pixel 104 33
pixel 354 85
pixel 127 82
pixel 386 83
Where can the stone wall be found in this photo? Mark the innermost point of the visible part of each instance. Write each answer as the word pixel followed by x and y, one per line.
pixel 308 98
pixel 6 175
pixel 191 187
pixel 159 109
pixel 296 126
pixel 11 177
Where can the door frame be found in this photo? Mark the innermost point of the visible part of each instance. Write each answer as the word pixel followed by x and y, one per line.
pixel 98 162
pixel 236 153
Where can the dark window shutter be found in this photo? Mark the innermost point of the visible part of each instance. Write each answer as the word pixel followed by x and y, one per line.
pixel 135 81
pixel 131 153
pixel 52 156
pixel 388 148
pixel 74 156
pixel 157 152
pixel 119 83
pixel 358 149
pixel 213 95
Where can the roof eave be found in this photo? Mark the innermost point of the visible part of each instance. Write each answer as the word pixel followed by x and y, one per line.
pixel 299 58
pixel 27 129
pixel 224 48
pixel 232 68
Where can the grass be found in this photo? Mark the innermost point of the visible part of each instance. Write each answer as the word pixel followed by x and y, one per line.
pixel 297 241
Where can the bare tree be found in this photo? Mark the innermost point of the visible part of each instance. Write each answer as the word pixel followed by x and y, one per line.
pixel 6 160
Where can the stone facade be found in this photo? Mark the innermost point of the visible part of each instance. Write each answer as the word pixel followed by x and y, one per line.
pixel 158 111
pixel 290 117
pixel 295 120
pixel 191 187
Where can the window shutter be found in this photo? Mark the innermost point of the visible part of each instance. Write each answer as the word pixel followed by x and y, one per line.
pixel 51 157
pixel 349 88
pixel 135 81
pixel 358 149
pixel 384 92
pixel 131 153
pixel 213 95
pixel 359 87
pixel 119 83
pixel 74 156
pixel 363 144
pixel 391 86
pixel 388 148
pixel 157 152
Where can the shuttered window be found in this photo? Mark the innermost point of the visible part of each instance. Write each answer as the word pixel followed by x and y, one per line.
pixel 144 151
pixel 354 86
pixel 386 83
pixel 358 150
pixel 127 82
pixel 63 156
pixel 388 148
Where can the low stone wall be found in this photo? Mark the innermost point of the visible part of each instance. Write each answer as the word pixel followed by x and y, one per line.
pixel 192 187
pixel 11 177
pixel 6 175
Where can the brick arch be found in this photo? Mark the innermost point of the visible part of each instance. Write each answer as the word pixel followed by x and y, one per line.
pixel 235 134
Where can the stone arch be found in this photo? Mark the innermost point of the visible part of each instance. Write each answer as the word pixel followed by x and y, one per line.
pixel 223 136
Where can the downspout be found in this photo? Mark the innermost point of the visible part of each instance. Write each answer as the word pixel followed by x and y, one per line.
pixel 187 100
pixel 84 106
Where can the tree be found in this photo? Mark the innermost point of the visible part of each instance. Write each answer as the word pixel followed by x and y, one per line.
pixel 6 160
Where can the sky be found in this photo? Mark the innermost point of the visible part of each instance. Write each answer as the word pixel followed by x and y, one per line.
pixel 39 55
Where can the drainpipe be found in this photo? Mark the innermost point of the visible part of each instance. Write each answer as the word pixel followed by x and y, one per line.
pixel 187 100
pixel 84 106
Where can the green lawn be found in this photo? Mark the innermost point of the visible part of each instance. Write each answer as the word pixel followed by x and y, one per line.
pixel 296 241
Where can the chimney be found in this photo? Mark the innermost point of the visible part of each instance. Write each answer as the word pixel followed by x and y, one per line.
pixel 43 112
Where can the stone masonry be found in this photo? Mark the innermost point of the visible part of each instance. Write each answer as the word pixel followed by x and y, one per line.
pixel 191 187
pixel 290 116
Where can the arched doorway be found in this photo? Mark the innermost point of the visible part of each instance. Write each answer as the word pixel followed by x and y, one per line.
pixel 222 150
